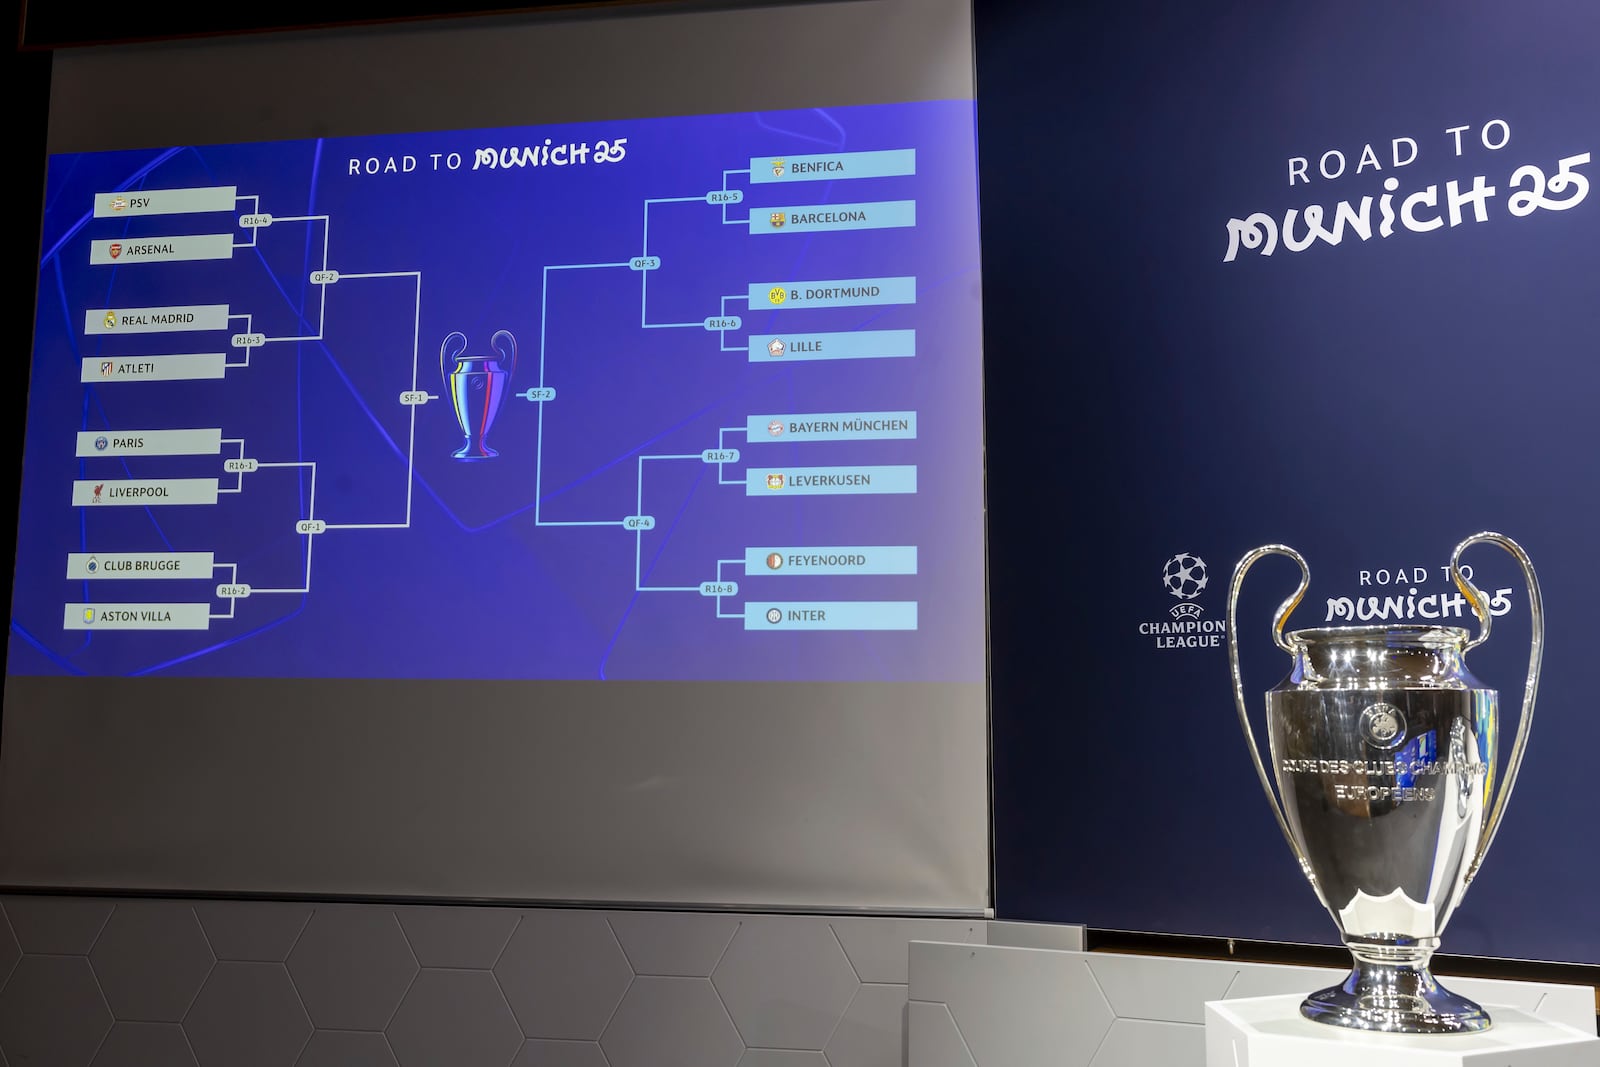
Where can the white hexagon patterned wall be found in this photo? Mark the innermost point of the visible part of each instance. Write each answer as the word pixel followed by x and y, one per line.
pixel 95 982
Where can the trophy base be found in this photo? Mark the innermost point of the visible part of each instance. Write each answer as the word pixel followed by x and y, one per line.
pixel 1395 999
pixel 472 451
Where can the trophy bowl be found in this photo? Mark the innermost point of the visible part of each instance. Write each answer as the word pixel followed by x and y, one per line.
pixel 1383 748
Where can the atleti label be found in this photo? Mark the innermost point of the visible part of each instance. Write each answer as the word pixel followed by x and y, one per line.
pixel 857 344
pixel 140 564
pixel 165 201
pixel 823 481
pixel 833 426
pixel 137 617
pixel 829 559
pixel 185 367
pixel 162 249
pixel 841 292
pixel 89 493
pixel 156 319
pixel 813 218
pixel 765 170
pixel 149 442
pixel 831 615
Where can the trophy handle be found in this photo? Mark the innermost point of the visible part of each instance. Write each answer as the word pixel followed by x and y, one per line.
pixel 1480 606
pixel 508 351
pixel 448 354
pixel 1238 682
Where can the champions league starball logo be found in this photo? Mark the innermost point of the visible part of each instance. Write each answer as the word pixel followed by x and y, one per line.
pixel 1184 576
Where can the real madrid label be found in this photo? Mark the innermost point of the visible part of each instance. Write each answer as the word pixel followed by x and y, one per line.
pixel 816 218
pixel 165 201
pixel 137 617
pixel 765 170
pixel 139 564
pixel 833 293
pixel 186 367
pixel 149 442
pixel 824 481
pixel 170 319
pixel 831 615
pixel 833 426
pixel 861 344
pixel 143 492
pixel 161 249
pixel 830 559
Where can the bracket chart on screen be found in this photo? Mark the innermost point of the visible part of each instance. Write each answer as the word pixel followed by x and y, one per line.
pixel 695 398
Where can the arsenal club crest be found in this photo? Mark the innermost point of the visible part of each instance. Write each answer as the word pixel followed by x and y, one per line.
pixel 115 249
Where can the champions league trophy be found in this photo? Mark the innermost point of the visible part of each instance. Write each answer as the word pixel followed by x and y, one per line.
pixel 477 385
pixel 1383 746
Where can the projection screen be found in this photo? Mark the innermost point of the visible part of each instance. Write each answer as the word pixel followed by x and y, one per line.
pixel 515 458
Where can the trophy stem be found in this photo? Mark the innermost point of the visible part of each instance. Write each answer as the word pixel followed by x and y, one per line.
pixel 1391 990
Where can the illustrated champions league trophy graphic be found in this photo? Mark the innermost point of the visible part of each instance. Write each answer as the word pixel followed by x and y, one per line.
pixel 1383 746
pixel 477 386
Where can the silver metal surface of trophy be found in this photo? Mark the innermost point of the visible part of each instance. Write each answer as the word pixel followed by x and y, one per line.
pixel 1383 747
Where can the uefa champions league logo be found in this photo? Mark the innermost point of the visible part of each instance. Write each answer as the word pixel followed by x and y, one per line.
pixel 1184 576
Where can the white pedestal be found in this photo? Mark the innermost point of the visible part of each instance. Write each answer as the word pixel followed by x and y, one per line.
pixel 1271 1032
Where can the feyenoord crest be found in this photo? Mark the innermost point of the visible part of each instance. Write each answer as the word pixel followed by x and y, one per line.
pixel 775 347
pixel 115 249
pixel 776 218
pixel 774 481
pixel 774 560
pixel 119 203
pixel 777 168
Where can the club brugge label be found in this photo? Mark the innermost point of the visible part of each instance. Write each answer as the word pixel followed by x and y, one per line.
pixel 1184 577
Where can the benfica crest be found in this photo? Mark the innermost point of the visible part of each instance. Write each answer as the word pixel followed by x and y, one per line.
pixel 777 168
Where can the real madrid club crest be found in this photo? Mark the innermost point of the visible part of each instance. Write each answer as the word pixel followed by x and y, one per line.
pixel 777 168
pixel 110 321
pixel 776 218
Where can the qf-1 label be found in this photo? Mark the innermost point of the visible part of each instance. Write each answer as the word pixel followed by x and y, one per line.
pixel 241 466
pixel 310 526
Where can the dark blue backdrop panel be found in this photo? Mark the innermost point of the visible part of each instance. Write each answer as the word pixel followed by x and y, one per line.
pixel 1370 402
